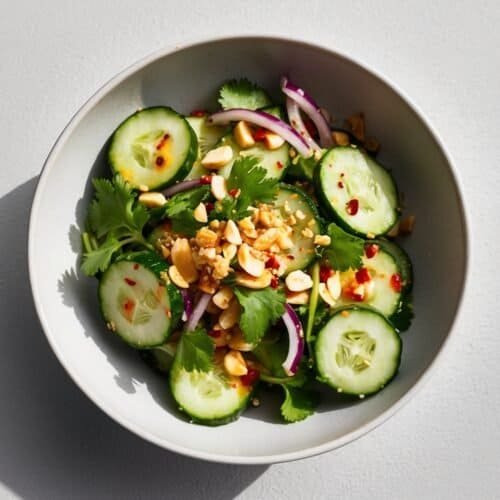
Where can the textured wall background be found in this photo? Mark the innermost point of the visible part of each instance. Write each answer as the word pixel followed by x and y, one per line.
pixel 55 444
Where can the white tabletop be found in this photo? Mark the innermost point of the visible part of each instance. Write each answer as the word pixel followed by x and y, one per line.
pixel 54 443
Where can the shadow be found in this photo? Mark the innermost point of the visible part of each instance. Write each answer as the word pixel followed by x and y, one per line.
pixel 55 442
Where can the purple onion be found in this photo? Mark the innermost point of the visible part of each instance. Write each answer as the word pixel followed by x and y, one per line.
pixel 265 120
pixel 293 111
pixel 198 311
pixel 188 304
pixel 308 105
pixel 182 186
pixel 295 340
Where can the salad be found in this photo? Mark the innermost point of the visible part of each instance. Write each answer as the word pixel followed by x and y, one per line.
pixel 251 249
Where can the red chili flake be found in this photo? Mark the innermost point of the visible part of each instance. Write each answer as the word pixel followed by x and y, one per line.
pixel 311 128
pixel 396 282
pixel 259 134
pixel 371 250
pixel 136 266
pixel 362 275
pixel 275 282
pixel 340 184
pixel 272 263
pixel 251 377
pixel 279 164
pixel 324 273
pixel 215 333
pixel 206 179
pixel 198 113
pixel 209 206
pixel 234 192
pixel 159 161
pixel 129 281
pixel 162 142
pixel 352 206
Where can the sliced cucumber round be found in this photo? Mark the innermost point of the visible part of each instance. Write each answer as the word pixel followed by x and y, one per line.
pixel 209 398
pixel 275 161
pixel 153 147
pixel 356 191
pixel 381 294
pixel 291 200
pixel 136 303
pixel 208 136
pixel 357 351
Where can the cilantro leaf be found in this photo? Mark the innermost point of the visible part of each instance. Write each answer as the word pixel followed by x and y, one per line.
pixel 345 250
pixel 299 403
pixel 195 351
pixel 260 309
pixel 242 94
pixel 180 210
pixel 116 219
pixel 250 180
pixel 403 316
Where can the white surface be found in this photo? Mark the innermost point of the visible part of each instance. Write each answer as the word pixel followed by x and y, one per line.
pixel 443 444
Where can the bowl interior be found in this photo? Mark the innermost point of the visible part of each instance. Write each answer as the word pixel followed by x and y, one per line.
pixel 111 374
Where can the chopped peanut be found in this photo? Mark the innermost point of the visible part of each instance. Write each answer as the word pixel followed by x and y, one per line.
pixel 298 281
pixel 217 158
pixel 232 233
pixel 243 135
pixel 152 199
pixel 322 240
pixel 234 363
pixel 200 213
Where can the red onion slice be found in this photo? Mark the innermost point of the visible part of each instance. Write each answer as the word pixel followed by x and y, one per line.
pixel 188 305
pixel 182 186
pixel 198 311
pixel 296 340
pixel 307 104
pixel 297 123
pixel 265 120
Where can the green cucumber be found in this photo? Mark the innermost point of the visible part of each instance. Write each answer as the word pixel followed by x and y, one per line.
pixel 291 199
pixel 357 351
pixel 136 303
pixel 355 190
pixel 209 398
pixel 154 147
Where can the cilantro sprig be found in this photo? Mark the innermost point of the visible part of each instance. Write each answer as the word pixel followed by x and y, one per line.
pixel 249 181
pixel 242 94
pixel 115 219
pixel 259 310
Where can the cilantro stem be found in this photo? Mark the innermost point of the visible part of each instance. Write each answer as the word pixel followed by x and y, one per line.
pixel 87 245
pixel 274 380
pixel 313 304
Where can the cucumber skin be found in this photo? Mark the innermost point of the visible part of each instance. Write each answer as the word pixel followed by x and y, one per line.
pixel 327 382
pixel 211 422
pixel 327 209
pixel 185 168
pixel 152 262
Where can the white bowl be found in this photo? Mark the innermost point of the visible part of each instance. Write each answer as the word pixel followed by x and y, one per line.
pixel 111 375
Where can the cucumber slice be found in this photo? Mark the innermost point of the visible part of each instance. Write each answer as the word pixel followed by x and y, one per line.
pixel 290 199
pixel 153 147
pixel 137 303
pixel 208 136
pixel 357 191
pixel 383 296
pixel 357 352
pixel 275 162
pixel 209 398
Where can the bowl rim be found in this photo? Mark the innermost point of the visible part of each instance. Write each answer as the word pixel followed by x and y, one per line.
pixel 217 457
